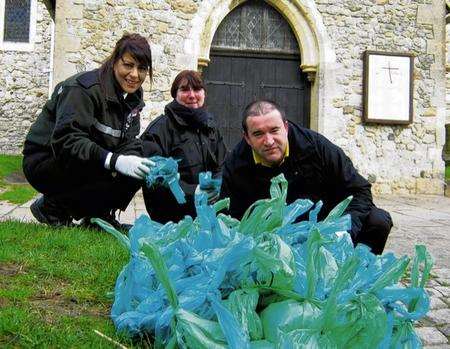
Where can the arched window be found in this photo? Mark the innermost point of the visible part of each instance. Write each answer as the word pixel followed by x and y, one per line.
pixel 255 26
pixel 17 24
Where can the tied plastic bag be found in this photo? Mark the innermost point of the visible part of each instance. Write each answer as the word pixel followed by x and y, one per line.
pixel 209 187
pixel 267 281
pixel 206 182
pixel 188 328
pixel 165 172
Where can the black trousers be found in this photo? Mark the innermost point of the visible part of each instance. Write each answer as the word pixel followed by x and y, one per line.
pixel 375 230
pixel 81 190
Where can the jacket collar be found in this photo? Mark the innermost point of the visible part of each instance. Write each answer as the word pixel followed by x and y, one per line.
pixel 211 123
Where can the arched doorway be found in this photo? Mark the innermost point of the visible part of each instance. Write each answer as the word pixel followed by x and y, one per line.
pixel 254 54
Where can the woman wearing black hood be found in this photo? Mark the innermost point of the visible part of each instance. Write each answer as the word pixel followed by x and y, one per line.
pixel 187 132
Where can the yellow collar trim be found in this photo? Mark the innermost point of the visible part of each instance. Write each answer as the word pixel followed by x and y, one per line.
pixel 259 160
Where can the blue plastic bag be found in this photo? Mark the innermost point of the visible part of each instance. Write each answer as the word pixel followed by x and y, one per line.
pixel 266 281
pixel 165 173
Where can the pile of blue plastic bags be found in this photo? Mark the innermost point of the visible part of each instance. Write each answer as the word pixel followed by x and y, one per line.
pixel 267 281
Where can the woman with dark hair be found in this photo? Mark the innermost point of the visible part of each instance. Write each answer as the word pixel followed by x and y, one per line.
pixel 187 132
pixel 82 153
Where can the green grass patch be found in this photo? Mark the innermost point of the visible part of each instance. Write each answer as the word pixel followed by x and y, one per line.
pixel 14 193
pixel 447 173
pixel 54 286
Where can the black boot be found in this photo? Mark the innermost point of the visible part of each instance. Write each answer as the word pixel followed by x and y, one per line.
pixel 48 212
pixel 109 217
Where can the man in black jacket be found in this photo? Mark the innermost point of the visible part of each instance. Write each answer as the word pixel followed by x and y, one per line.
pixel 315 169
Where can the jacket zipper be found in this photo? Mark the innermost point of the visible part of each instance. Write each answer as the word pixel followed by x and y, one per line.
pixel 201 149
pixel 124 121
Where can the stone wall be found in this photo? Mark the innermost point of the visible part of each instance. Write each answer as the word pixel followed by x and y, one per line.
pixel 24 84
pixel 88 30
pixel 447 60
pixel 397 159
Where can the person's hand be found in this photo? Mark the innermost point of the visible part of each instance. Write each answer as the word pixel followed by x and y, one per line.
pixel 133 166
pixel 211 193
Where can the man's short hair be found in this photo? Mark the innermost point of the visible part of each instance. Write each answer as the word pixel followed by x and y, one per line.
pixel 258 108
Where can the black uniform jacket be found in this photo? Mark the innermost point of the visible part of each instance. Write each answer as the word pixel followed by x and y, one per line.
pixel 315 169
pixel 198 149
pixel 82 122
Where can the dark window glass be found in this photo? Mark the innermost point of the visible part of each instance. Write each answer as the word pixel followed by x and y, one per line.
pixel 255 26
pixel 17 20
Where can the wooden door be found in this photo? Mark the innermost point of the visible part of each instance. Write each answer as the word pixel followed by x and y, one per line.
pixel 254 55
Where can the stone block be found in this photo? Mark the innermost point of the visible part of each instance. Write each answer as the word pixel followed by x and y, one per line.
pixel 442 273
pixel 436 303
pixel 439 317
pixel 433 293
pixel 348 109
pixel 445 330
pixel 76 12
pixel 185 6
pixel 71 43
pixel 439 346
pixel 433 283
pixel 431 336
pixel 6 207
pixel 445 290
pixel 429 186
pixel 184 61
pixel 381 189
pixel 162 27
pixel 22 214
pixel 430 111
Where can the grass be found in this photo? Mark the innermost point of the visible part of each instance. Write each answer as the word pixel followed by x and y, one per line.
pixel 447 173
pixel 14 193
pixel 54 286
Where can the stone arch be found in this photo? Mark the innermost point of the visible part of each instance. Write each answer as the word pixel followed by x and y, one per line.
pixel 306 24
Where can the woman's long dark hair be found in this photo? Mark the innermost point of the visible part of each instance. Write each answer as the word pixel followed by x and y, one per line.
pixel 137 46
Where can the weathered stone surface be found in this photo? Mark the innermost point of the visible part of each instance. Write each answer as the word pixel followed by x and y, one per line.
pixel 439 317
pixel 431 336
pixel 24 80
pixel 429 186
pixel 395 155
pixel 437 303
pixel 445 290
pixel 445 330
pixel 443 273
pixel 186 6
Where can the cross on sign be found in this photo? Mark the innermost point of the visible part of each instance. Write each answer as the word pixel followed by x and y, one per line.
pixel 389 68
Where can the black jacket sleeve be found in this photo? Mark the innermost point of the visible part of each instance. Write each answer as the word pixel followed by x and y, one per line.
pixel 346 181
pixel 229 190
pixel 226 188
pixel 75 112
pixel 221 152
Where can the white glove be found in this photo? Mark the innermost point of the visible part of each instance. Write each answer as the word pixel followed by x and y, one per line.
pixel 211 194
pixel 133 166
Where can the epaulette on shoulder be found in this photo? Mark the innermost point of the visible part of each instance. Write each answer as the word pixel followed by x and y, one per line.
pixel 88 79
